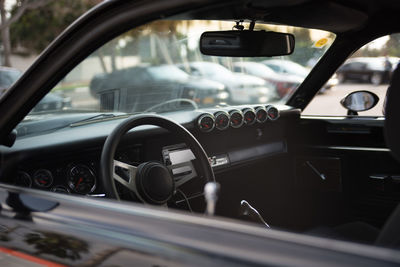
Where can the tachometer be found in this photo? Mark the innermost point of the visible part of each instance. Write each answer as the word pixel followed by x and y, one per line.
pixel 43 178
pixel 272 112
pixel 221 120
pixel 249 116
pixel 236 118
pixel 261 114
pixel 206 122
pixel 81 179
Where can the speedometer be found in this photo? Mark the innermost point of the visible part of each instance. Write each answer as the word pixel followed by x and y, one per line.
pixel 81 179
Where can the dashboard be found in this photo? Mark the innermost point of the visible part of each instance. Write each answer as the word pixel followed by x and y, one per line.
pixel 67 160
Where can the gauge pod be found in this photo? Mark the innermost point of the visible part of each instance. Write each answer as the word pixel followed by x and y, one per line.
pixel 23 179
pixel 43 178
pixel 272 113
pixel 236 118
pixel 249 116
pixel 221 120
pixel 206 122
pixel 261 114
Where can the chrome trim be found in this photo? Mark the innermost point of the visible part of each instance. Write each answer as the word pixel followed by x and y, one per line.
pixel 354 148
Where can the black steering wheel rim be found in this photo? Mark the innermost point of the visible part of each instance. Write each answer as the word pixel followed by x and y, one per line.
pixel 112 141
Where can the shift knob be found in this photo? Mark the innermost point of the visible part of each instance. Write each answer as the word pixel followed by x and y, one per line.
pixel 248 211
pixel 211 190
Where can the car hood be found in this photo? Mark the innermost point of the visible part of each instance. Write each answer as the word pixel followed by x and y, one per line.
pixel 204 84
pixel 247 80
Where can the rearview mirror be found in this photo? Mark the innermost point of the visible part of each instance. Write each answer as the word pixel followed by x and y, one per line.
pixel 246 43
pixel 359 101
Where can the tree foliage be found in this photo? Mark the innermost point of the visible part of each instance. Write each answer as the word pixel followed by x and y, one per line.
pixel 38 27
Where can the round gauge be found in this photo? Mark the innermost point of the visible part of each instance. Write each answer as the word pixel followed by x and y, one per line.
pixel 236 118
pixel 60 189
pixel 261 114
pixel 81 179
pixel 221 120
pixel 23 179
pixel 206 122
pixel 273 113
pixel 249 116
pixel 43 178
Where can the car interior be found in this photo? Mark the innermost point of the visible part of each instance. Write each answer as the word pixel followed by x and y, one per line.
pixel 327 176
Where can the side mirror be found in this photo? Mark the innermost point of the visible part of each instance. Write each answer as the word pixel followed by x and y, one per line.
pixel 359 101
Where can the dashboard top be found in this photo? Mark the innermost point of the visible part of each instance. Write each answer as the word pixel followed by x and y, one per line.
pixel 94 134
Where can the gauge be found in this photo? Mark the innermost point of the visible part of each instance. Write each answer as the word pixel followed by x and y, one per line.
pixel 81 179
pixel 206 122
pixel 236 118
pixel 249 116
pixel 43 178
pixel 273 113
pixel 60 189
pixel 23 179
pixel 261 114
pixel 221 120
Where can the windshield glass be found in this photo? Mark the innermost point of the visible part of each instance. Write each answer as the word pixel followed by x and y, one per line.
pixel 159 68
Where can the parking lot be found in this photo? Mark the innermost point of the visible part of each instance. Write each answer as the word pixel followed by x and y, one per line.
pixel 327 103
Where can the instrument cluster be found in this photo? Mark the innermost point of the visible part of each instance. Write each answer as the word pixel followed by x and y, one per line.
pixel 75 178
pixel 236 118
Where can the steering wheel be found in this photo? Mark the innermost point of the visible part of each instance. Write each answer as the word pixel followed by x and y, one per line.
pixel 152 182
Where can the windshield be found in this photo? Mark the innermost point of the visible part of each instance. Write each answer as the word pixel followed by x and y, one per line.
pixel 159 68
pixel 167 72
pixel 8 77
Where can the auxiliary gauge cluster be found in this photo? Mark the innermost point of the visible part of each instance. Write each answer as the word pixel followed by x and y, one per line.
pixel 236 118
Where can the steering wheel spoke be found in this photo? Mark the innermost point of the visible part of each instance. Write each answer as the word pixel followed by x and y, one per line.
pixel 182 172
pixel 129 173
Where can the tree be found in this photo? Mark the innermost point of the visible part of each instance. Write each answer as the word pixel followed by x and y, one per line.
pixel 38 27
pixel 20 7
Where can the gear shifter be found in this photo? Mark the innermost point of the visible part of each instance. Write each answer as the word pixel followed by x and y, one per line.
pixel 211 195
pixel 247 211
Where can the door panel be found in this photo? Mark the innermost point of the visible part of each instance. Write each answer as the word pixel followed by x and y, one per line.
pixel 361 174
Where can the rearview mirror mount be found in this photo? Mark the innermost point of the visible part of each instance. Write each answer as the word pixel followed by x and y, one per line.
pixel 246 43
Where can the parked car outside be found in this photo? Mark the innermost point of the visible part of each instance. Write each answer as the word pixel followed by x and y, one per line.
pixel 284 84
pixel 293 68
pixel 243 88
pixel 51 101
pixel 375 70
pixel 169 86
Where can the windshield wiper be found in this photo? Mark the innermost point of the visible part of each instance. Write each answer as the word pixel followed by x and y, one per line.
pixel 100 117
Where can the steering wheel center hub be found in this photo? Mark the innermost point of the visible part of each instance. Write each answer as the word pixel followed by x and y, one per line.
pixel 154 182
